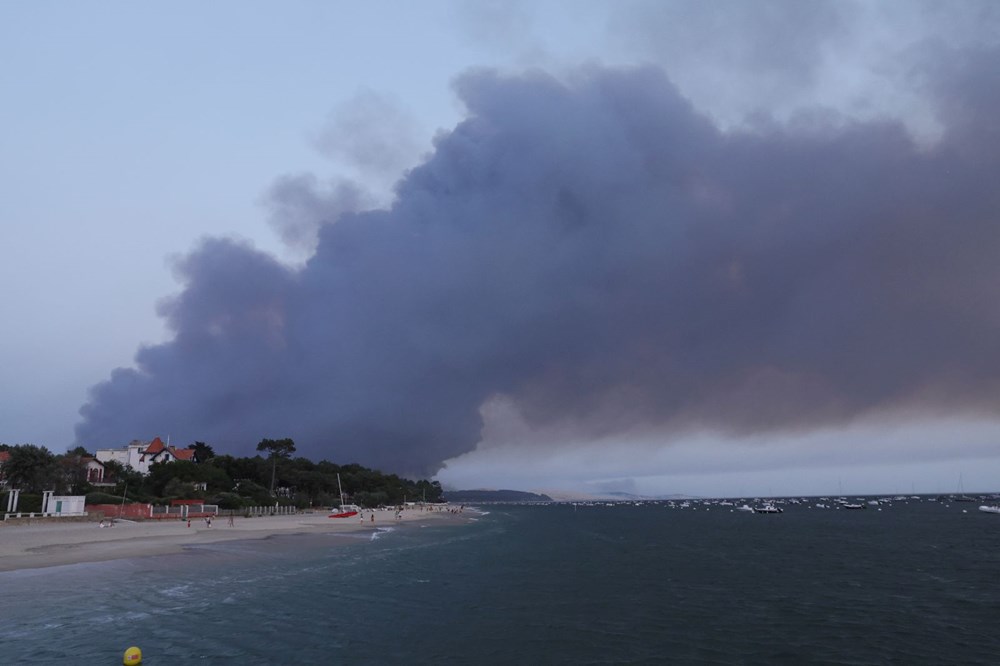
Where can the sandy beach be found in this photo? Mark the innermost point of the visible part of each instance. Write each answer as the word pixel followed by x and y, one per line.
pixel 53 542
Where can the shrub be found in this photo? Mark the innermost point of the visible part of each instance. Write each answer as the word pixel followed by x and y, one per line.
pixel 102 498
pixel 228 501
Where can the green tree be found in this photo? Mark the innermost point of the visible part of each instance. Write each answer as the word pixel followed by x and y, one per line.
pixel 127 480
pixel 228 501
pixel 33 469
pixel 256 493
pixel 202 451
pixel 178 489
pixel 238 469
pixel 74 469
pixel 113 470
pixel 161 474
pixel 276 448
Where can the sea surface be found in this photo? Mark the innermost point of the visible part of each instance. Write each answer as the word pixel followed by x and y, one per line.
pixel 907 583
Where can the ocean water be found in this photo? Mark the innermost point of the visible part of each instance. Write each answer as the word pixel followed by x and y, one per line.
pixel 913 583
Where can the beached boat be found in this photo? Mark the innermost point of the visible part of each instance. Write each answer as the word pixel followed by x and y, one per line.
pixel 345 510
pixel 990 509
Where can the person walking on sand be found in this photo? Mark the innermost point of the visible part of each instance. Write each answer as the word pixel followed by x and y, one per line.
pixel 232 523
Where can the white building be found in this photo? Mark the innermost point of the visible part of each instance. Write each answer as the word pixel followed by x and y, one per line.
pixel 129 456
pixel 140 455
pixel 63 505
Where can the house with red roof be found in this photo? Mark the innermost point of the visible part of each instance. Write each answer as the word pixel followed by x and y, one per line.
pixel 141 455
pixel 85 468
pixel 95 470
pixel 157 451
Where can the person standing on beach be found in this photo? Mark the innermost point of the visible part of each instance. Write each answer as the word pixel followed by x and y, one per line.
pixel 232 522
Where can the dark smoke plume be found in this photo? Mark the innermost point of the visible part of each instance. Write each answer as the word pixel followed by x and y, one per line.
pixel 600 253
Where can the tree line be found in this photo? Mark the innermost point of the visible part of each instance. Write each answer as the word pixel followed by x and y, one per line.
pixel 229 481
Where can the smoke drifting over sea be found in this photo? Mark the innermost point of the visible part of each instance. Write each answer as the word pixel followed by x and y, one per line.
pixel 597 252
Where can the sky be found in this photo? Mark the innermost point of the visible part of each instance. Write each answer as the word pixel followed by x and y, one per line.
pixel 726 248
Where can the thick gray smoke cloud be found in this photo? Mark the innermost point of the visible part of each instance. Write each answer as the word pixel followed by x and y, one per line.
pixel 600 253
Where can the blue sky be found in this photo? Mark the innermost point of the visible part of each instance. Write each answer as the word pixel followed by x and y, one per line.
pixel 130 132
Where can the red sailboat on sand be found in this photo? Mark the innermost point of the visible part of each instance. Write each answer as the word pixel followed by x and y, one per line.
pixel 345 510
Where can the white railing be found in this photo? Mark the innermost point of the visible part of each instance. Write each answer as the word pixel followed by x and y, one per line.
pixel 39 514
pixel 271 510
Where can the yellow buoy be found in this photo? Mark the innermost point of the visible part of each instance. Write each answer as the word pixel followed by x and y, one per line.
pixel 133 656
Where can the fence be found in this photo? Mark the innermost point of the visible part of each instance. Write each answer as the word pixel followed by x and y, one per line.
pixel 184 511
pixel 271 510
pixel 132 511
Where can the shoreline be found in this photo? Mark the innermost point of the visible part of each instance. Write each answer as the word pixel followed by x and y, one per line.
pixel 50 544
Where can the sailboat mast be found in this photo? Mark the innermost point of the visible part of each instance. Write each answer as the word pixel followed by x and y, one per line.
pixel 341 489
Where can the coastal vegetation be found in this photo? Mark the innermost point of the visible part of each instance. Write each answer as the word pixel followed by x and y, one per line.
pixel 470 496
pixel 229 481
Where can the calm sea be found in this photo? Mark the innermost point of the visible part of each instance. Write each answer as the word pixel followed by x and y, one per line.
pixel 912 583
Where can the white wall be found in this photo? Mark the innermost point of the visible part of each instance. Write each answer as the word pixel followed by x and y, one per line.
pixel 66 504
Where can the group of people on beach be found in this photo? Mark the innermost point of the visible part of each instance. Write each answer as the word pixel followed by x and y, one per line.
pixel 208 521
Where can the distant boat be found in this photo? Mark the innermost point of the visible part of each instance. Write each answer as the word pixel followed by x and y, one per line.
pixel 768 508
pixel 854 506
pixel 990 509
pixel 962 497
pixel 345 510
